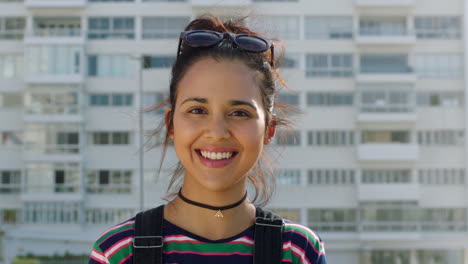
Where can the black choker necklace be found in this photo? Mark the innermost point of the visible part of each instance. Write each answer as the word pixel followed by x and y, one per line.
pixel 218 209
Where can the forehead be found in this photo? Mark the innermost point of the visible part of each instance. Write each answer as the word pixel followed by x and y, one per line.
pixel 223 79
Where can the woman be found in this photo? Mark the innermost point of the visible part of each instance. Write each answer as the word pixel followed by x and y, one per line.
pixel 221 113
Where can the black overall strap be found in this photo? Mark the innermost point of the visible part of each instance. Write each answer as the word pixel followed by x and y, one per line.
pixel 268 238
pixel 148 241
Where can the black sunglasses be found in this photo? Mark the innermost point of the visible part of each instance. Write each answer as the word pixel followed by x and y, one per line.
pixel 207 38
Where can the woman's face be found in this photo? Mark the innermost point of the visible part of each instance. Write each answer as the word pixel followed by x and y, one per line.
pixel 219 124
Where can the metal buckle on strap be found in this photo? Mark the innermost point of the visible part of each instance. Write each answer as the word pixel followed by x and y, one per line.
pixel 267 222
pixel 147 241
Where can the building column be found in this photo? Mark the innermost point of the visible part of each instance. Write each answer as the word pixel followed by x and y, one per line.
pixel 414 257
pixel 465 256
pixel 366 256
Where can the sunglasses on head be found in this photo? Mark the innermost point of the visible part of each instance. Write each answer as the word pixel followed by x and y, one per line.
pixel 208 38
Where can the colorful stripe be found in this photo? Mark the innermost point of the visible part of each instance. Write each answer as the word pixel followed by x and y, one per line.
pixel 300 245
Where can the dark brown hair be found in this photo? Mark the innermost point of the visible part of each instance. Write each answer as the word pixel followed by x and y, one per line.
pixel 261 175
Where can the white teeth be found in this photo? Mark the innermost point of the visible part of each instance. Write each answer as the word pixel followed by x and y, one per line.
pixel 216 155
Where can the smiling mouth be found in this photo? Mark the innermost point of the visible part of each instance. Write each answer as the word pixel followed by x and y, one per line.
pixel 216 155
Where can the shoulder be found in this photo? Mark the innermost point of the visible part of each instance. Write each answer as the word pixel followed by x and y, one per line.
pixel 115 243
pixel 304 243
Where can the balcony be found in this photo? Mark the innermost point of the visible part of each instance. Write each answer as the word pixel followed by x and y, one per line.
pixel 217 3
pixel 388 68
pixel 388 191
pixel 388 152
pixel 376 36
pixel 55 3
pixel 385 3
pixel 16 34
pixel 48 153
pixel 55 35
pixel 53 113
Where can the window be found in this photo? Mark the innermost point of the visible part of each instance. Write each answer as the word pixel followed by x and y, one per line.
pixel 9 216
pixel 441 137
pixel 385 63
pixel 55 103
pixel 287 98
pixel 290 138
pixel 382 26
pixel 97 216
pixel 331 176
pixel 66 177
pixel 111 28
pixel 441 99
pixel 111 99
pixel 152 99
pixel 10 181
pixel 284 27
pixel 438 27
pixel 389 216
pixel 443 219
pixel 330 138
pixel 385 176
pixel 110 138
pixel 333 220
pixel 388 99
pixel 53 59
pixel 390 256
pixel 291 62
pixel 111 0
pixel 163 27
pixel 329 65
pixel 328 27
pixel 11 138
pixel 439 65
pixel 109 181
pixel 441 176
pixel 12 27
pixel 439 256
pixel 329 99
pixel 386 137
pixel 289 214
pixel 110 66
pixel 11 66
pixel 158 62
pixel 11 100
pixel 61 212
pixel 288 176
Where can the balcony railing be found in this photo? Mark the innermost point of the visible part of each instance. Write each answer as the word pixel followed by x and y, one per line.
pixel 365 31
pixel 387 108
pixel 116 34
pixel 51 188
pixel 53 109
pixel 386 69
pixel 10 188
pixel 57 32
pixel 109 188
pixel 52 149
pixel 11 34
pixel 335 226
pixel 390 226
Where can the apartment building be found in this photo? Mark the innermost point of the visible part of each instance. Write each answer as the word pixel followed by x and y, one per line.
pixel 376 165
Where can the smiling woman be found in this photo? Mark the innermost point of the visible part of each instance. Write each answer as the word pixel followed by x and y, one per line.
pixel 220 115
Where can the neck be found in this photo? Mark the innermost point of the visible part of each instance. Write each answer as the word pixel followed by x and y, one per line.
pixel 203 222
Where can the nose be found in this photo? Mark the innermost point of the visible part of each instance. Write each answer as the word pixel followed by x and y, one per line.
pixel 217 128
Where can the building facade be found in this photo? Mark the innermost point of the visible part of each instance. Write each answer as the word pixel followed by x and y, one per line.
pixel 376 165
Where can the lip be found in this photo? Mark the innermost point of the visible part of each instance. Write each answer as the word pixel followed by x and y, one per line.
pixel 216 163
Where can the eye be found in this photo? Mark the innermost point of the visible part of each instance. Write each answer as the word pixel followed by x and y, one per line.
pixel 197 111
pixel 240 113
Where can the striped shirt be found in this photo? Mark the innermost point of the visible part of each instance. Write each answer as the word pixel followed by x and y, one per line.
pixel 300 245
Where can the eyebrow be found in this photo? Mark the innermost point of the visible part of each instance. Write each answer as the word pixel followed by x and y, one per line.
pixel 232 102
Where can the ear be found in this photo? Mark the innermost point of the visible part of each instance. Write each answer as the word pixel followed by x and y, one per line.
pixel 167 121
pixel 270 132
